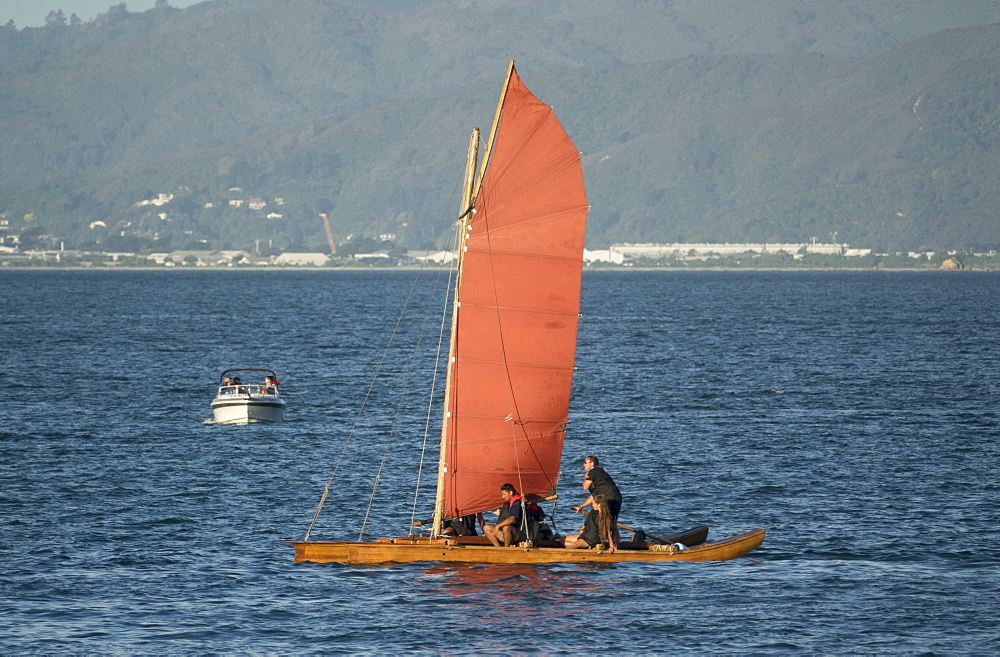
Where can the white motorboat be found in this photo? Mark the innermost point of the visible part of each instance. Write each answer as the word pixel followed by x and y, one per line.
pixel 237 402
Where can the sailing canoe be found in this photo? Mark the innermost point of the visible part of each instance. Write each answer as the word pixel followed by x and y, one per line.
pixel 512 348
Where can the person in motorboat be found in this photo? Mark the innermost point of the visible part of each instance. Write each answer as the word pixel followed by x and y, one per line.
pixel 226 388
pixel 597 528
pixel 270 385
pixel 597 481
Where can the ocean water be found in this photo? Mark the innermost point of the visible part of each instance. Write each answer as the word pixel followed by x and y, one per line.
pixel 852 414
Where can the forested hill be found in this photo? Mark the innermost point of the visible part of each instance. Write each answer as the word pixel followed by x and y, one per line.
pixel 698 120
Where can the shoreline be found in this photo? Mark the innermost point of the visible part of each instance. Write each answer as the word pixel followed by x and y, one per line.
pixel 251 268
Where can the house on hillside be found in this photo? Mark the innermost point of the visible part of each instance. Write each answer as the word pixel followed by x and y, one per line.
pixel 160 200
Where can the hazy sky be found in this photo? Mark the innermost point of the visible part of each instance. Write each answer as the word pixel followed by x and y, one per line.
pixel 32 13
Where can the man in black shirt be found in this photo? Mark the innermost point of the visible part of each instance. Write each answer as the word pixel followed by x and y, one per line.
pixel 597 481
pixel 507 531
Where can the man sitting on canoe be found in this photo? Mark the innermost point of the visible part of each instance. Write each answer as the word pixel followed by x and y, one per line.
pixel 508 528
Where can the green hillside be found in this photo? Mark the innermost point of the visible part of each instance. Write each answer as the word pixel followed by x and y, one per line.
pixel 698 120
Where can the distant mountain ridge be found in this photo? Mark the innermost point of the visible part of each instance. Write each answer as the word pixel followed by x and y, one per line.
pixel 689 129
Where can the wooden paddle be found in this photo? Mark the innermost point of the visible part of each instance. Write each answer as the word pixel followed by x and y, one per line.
pixel 530 499
pixel 631 529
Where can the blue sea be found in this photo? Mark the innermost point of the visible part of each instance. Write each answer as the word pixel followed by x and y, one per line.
pixel 852 414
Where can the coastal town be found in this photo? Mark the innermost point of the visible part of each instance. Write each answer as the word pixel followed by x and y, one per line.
pixel 17 250
pixel 676 255
pixel 21 246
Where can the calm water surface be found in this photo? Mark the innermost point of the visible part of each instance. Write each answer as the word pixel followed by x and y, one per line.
pixel 852 414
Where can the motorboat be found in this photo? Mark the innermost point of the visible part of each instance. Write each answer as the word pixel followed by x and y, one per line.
pixel 237 402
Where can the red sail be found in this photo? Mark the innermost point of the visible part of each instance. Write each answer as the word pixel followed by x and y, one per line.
pixel 519 298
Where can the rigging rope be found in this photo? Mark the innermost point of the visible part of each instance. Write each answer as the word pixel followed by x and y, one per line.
pixel 392 432
pixel 364 402
pixel 399 408
pixel 430 399
pixel 368 393
pixel 515 413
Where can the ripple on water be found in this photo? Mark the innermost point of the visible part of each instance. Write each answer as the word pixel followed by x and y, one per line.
pixel 852 416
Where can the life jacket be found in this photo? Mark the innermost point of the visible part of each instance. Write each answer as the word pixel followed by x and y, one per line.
pixel 534 511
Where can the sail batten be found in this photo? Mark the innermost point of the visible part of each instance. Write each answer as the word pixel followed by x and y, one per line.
pixel 517 305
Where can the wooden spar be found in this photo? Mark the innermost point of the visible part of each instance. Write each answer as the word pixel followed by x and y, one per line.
pixel 466 210
pixel 529 499
pixel 631 529
pixel 470 176
pixel 493 130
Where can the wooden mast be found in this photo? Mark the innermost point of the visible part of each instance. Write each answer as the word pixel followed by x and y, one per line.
pixel 493 129
pixel 466 210
pixel 470 191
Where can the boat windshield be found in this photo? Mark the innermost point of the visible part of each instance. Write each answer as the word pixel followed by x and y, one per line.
pixel 250 389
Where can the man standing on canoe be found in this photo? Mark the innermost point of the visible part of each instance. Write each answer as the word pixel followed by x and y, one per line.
pixel 597 481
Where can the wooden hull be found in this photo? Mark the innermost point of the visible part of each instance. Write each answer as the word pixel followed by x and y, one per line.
pixel 408 550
